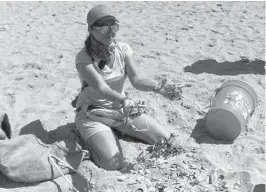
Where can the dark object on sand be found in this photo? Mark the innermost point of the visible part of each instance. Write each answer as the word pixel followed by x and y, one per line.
pixel 259 188
pixel 5 130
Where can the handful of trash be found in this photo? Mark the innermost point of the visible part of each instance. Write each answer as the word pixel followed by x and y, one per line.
pixel 138 108
pixel 170 88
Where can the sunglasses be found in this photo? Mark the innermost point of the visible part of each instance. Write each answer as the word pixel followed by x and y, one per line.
pixel 105 29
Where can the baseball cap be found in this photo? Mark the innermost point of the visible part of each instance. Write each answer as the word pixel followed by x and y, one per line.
pixel 98 12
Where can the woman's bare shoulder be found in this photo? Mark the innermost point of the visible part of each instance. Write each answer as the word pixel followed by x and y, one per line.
pixel 83 57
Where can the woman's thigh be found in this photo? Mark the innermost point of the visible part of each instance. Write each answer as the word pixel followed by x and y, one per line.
pixel 144 128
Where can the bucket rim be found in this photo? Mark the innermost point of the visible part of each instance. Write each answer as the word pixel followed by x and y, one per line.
pixel 250 89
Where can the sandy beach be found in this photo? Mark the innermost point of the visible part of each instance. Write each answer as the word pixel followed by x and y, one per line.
pixel 200 44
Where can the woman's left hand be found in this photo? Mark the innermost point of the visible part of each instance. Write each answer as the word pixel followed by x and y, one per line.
pixel 172 90
pixel 169 89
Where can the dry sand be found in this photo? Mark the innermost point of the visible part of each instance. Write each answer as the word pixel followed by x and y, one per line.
pixel 199 43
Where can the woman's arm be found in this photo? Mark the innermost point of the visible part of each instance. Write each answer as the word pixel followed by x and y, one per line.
pixel 139 82
pixel 90 75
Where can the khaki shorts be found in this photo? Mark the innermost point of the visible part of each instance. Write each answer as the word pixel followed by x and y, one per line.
pixel 86 126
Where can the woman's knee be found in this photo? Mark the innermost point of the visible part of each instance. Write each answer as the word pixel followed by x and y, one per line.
pixel 105 150
pixel 114 162
pixel 110 161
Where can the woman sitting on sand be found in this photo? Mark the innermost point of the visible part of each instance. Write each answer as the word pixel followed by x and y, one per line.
pixel 103 65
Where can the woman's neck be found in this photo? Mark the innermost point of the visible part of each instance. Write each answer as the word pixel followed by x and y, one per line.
pixel 103 52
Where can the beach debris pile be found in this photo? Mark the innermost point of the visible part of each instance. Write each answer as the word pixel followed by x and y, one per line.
pixel 162 170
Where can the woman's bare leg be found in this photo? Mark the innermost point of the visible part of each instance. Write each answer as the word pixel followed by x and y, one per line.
pixel 100 141
pixel 148 129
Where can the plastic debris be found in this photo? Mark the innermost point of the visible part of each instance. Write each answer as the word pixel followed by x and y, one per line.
pixel 169 189
pixel 121 178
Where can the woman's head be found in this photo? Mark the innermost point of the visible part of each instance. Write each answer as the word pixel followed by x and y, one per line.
pixel 102 24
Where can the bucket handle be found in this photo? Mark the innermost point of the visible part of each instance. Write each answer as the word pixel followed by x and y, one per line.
pixel 213 95
pixel 211 98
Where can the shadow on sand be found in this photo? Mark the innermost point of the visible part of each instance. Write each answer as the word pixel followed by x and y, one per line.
pixel 201 135
pixel 211 66
pixel 259 188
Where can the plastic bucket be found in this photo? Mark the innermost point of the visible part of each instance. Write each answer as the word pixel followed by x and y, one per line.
pixel 233 104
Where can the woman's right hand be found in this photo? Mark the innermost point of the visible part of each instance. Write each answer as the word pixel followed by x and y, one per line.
pixel 128 105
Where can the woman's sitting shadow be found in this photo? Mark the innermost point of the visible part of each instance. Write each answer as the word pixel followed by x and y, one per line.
pixel 36 128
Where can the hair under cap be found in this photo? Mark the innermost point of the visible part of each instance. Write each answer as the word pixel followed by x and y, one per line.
pixel 98 12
